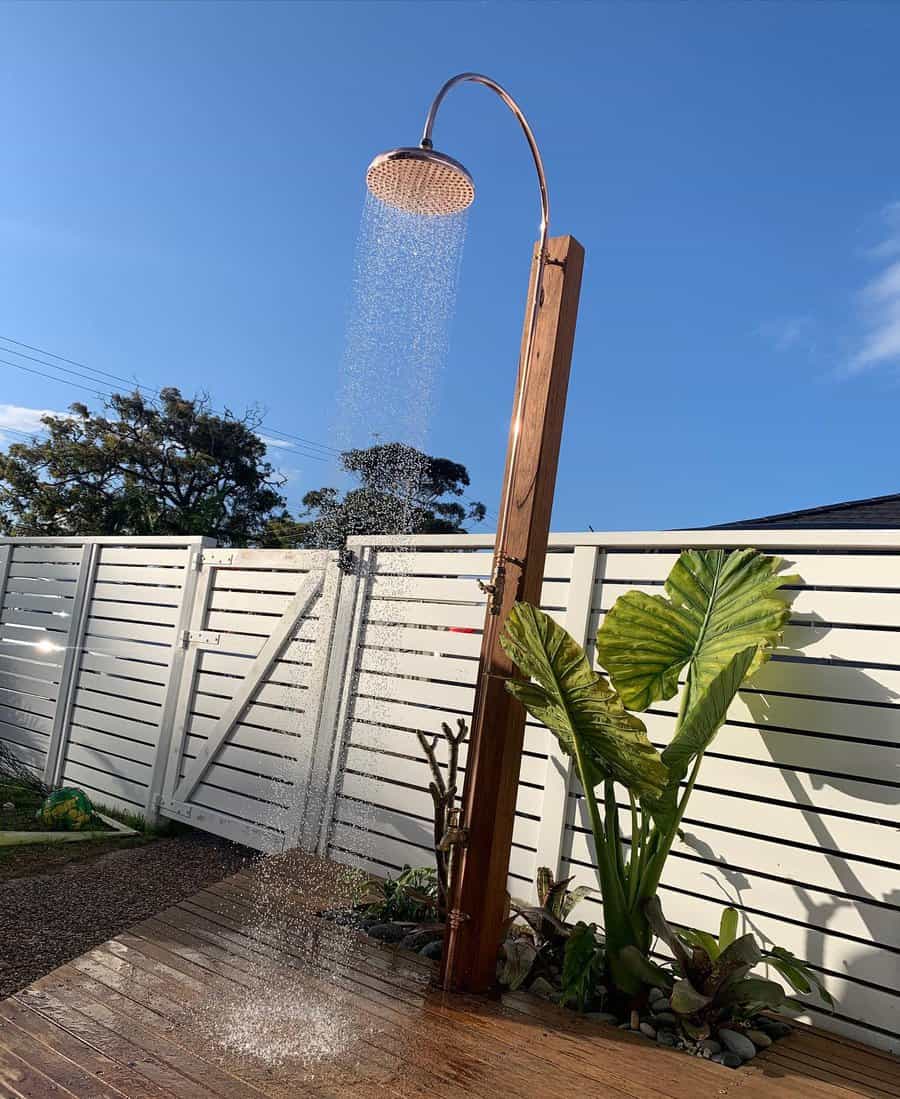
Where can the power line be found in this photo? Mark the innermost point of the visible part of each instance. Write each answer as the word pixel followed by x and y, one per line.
pixel 99 393
pixel 77 373
pixel 21 434
pixel 132 381
pixel 41 374
pixel 106 396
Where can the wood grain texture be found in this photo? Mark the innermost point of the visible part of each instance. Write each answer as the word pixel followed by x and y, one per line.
pixel 489 796
pixel 135 1018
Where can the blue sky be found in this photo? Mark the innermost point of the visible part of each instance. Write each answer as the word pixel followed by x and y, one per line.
pixel 182 185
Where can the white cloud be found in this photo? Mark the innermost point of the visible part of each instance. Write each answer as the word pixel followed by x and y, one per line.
pixel 284 443
pixel 17 418
pixel 880 302
pixel 790 333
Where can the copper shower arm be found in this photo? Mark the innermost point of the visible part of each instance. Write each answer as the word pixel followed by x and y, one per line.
pixel 479 78
pixel 499 567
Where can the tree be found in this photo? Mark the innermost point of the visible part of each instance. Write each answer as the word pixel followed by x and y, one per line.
pixel 142 467
pixel 401 491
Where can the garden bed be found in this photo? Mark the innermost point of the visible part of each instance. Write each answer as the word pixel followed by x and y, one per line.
pixel 58 901
pixel 562 962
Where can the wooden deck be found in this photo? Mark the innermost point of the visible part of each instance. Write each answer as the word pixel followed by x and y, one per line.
pixel 138 1017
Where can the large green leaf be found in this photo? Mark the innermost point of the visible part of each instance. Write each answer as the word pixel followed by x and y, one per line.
pixel 643 969
pixel 701 721
pixel 582 965
pixel 755 992
pixel 686 1000
pixel 718 605
pixel 578 705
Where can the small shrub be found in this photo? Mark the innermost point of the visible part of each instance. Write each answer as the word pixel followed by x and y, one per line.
pixel 411 897
pixel 711 982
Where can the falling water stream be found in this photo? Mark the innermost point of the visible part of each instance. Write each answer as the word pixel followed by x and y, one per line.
pixel 404 293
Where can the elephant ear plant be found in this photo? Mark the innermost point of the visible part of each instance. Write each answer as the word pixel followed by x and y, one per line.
pixel 716 625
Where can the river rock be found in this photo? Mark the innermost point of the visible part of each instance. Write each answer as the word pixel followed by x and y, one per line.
pixel 665 1037
pixel 655 994
pixel 540 986
pixel 647 1030
pixel 388 932
pixel 602 1017
pixel 759 1038
pixel 709 1046
pixel 773 1027
pixel 727 1058
pixel 738 1043
pixel 661 1003
pixel 433 950
pixel 665 1018
pixel 9 807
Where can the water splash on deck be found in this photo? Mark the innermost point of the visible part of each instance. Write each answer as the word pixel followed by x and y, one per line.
pixel 404 294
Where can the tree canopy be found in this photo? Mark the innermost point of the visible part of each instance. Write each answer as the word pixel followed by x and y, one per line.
pixel 173 466
pixel 142 467
pixel 401 490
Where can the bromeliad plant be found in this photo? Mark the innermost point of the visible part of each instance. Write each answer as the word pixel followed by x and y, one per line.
pixel 716 625
pixel 552 947
pixel 713 982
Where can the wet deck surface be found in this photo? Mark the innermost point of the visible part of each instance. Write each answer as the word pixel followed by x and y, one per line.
pixel 145 1015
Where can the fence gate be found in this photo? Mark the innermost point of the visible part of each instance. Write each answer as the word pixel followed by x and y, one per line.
pixel 250 693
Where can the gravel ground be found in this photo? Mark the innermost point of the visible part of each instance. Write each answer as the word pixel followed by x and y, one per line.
pixel 54 913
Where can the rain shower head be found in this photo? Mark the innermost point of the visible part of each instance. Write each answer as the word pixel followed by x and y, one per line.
pixel 420 181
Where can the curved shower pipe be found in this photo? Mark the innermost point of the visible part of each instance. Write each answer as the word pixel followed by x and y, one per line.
pixel 499 564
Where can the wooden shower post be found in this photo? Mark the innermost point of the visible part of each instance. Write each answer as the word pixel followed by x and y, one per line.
pixel 478 892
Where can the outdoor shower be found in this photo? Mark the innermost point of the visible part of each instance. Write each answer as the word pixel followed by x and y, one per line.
pixel 422 181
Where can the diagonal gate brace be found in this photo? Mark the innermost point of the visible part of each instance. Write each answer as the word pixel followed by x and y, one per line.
pixel 256 674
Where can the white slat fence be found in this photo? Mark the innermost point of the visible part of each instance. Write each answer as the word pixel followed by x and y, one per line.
pixel 250 697
pixel 795 817
pixel 266 696
pixel 88 646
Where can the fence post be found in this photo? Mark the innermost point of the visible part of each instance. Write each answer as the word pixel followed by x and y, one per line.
pixel 5 558
pixel 330 655
pixel 181 688
pixel 176 667
pixel 339 690
pixel 71 664
pixel 587 564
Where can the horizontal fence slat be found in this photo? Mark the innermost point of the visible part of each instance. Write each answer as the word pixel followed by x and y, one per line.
pixel 870 570
pixel 33 679
pixel 440 589
pixel 159 614
pixel 46 604
pixel 368 742
pixel 67 573
pixel 237 602
pixel 367 819
pixel 124 674
pixel 155 556
pixel 25 719
pixel 99 783
pixel 29 703
pixel 140 575
pixel 386 713
pixel 414 563
pixel 117 705
pixel 130 631
pixel 869 920
pixel 405 773
pixel 115 724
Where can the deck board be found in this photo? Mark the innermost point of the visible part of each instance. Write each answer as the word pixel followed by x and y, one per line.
pixel 135 1019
